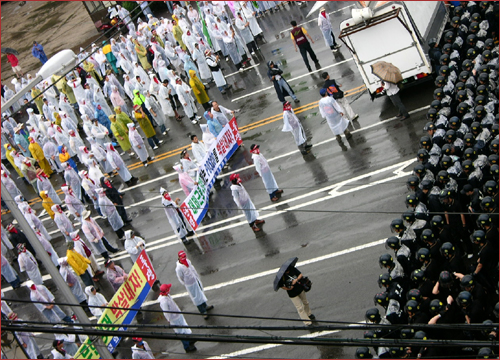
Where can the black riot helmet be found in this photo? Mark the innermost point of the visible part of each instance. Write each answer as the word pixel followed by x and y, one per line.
pixel 480 112
pixel 447 48
pixel 445 279
pixel 392 243
pixel 432 42
pixel 384 280
pixel 447 250
pixel 462 108
pixel 483 78
pixel 427 184
pixel 486 352
pixel 428 236
pixel 363 353
pixel 455 122
pixel 443 176
pixel 422 155
pixel 467 65
pixel 464 299
pixel 451 136
pixel 397 225
pixel 420 335
pixel 489 44
pixel 438 93
pixel 473 27
pixel 475 127
pixel 412 182
pixel 490 187
pixel 444 59
pixel 463 76
pixel 381 299
pixel 470 153
pixel 425 141
pixel 436 104
pixel 411 200
pixel 493 159
pixel 476 17
pixel 460 85
pixel 414 294
pixel 408 216
pixel 437 221
pixel 419 169
pixel 407 333
pixel 423 254
pixel 480 100
pixel 448 36
pixel 467 282
pixel 418 276
pixel 478 237
pixel 412 306
pixel 436 306
pixel 482 90
pixel 462 95
pixel 373 315
pixel 469 139
pixel 446 162
pixel 440 81
pixel 386 261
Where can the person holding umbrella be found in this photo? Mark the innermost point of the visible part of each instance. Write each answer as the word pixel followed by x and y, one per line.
pixel 289 278
pixel 390 75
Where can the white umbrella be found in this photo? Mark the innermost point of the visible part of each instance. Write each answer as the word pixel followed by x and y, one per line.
pixel 316 7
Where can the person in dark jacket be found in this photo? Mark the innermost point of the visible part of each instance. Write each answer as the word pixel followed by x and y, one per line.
pixel 115 197
pixel 16 237
pixel 280 84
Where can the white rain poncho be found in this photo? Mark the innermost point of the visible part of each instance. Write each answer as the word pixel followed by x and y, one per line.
pixel 188 276
pixel 223 116
pixel 183 91
pixel 291 123
pixel 190 167
pixel 76 86
pixel 69 343
pixel 65 106
pixel 164 99
pixel 100 133
pixel 108 209
pixel 139 71
pixel 73 180
pixel 173 314
pixel 94 235
pixel 116 162
pixel 67 123
pixel 137 142
pixel 8 272
pixel 208 137
pixel 28 263
pixel 62 222
pixel 52 155
pixel 330 110
pixel 185 181
pixel 99 99
pixel 180 227
pixel 265 173
pixel 10 185
pixel 34 221
pixel 75 206
pixel 28 338
pixel 199 151
pixel 248 12
pixel 231 48
pixel 243 201
pixel 95 300
pixel 245 32
pixel 152 104
pixel 133 245
pixel 172 55
pixel 95 172
pixel 99 151
pixel 41 293
pixel 140 353
pixel 199 57
pixel 118 101
pixel 325 25
pixel 116 277
pixel 75 142
pixel 47 247
pixel 71 279
pixel 44 184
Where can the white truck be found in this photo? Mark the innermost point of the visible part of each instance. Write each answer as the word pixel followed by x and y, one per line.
pixel 396 32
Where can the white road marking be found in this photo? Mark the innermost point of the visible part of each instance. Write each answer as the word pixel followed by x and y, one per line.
pixel 244 69
pixel 295 78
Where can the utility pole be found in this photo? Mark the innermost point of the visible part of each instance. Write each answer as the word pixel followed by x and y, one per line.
pixel 61 285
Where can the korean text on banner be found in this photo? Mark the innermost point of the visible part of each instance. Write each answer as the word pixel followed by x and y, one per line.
pixel 130 295
pixel 195 206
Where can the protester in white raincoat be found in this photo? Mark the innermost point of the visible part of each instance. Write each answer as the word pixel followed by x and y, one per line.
pixel 94 172
pixel 108 209
pixel 115 274
pixel 118 101
pixel 249 14
pixel 34 221
pixel 82 248
pixel 174 316
pixel 26 338
pixel 198 149
pixel 265 173
pixel 52 155
pixel 75 206
pixel 230 44
pixel 188 165
pixel 179 225
pixel 325 25
pixel 99 99
pixel 58 352
pixel 207 137
pixel 291 123
pixel 243 201
pixel 10 274
pixel 212 62
pixel 116 162
pixel 65 106
pixel 141 349
pixel 95 236
pixel 52 312
pixel 333 113
pixel 244 27
pixel 47 247
pixel 201 62
pixel 183 91
pixel 95 299
pixel 164 99
pixel 10 185
pixel 188 276
pixel 99 151
pixel 185 181
pixel 75 141
pixel 62 222
pixel 100 132
pixel 134 245
pixel 138 144
pixel 72 280
pixel 72 180
pixel 68 340
pixel 28 263
pixel 67 123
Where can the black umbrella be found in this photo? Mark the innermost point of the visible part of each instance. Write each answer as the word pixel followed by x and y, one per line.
pixel 287 264
pixel 9 51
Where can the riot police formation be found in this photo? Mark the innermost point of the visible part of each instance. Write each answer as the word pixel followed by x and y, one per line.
pixel 442 260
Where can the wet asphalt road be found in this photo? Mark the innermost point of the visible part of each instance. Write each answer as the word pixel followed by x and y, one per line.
pixel 337 203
